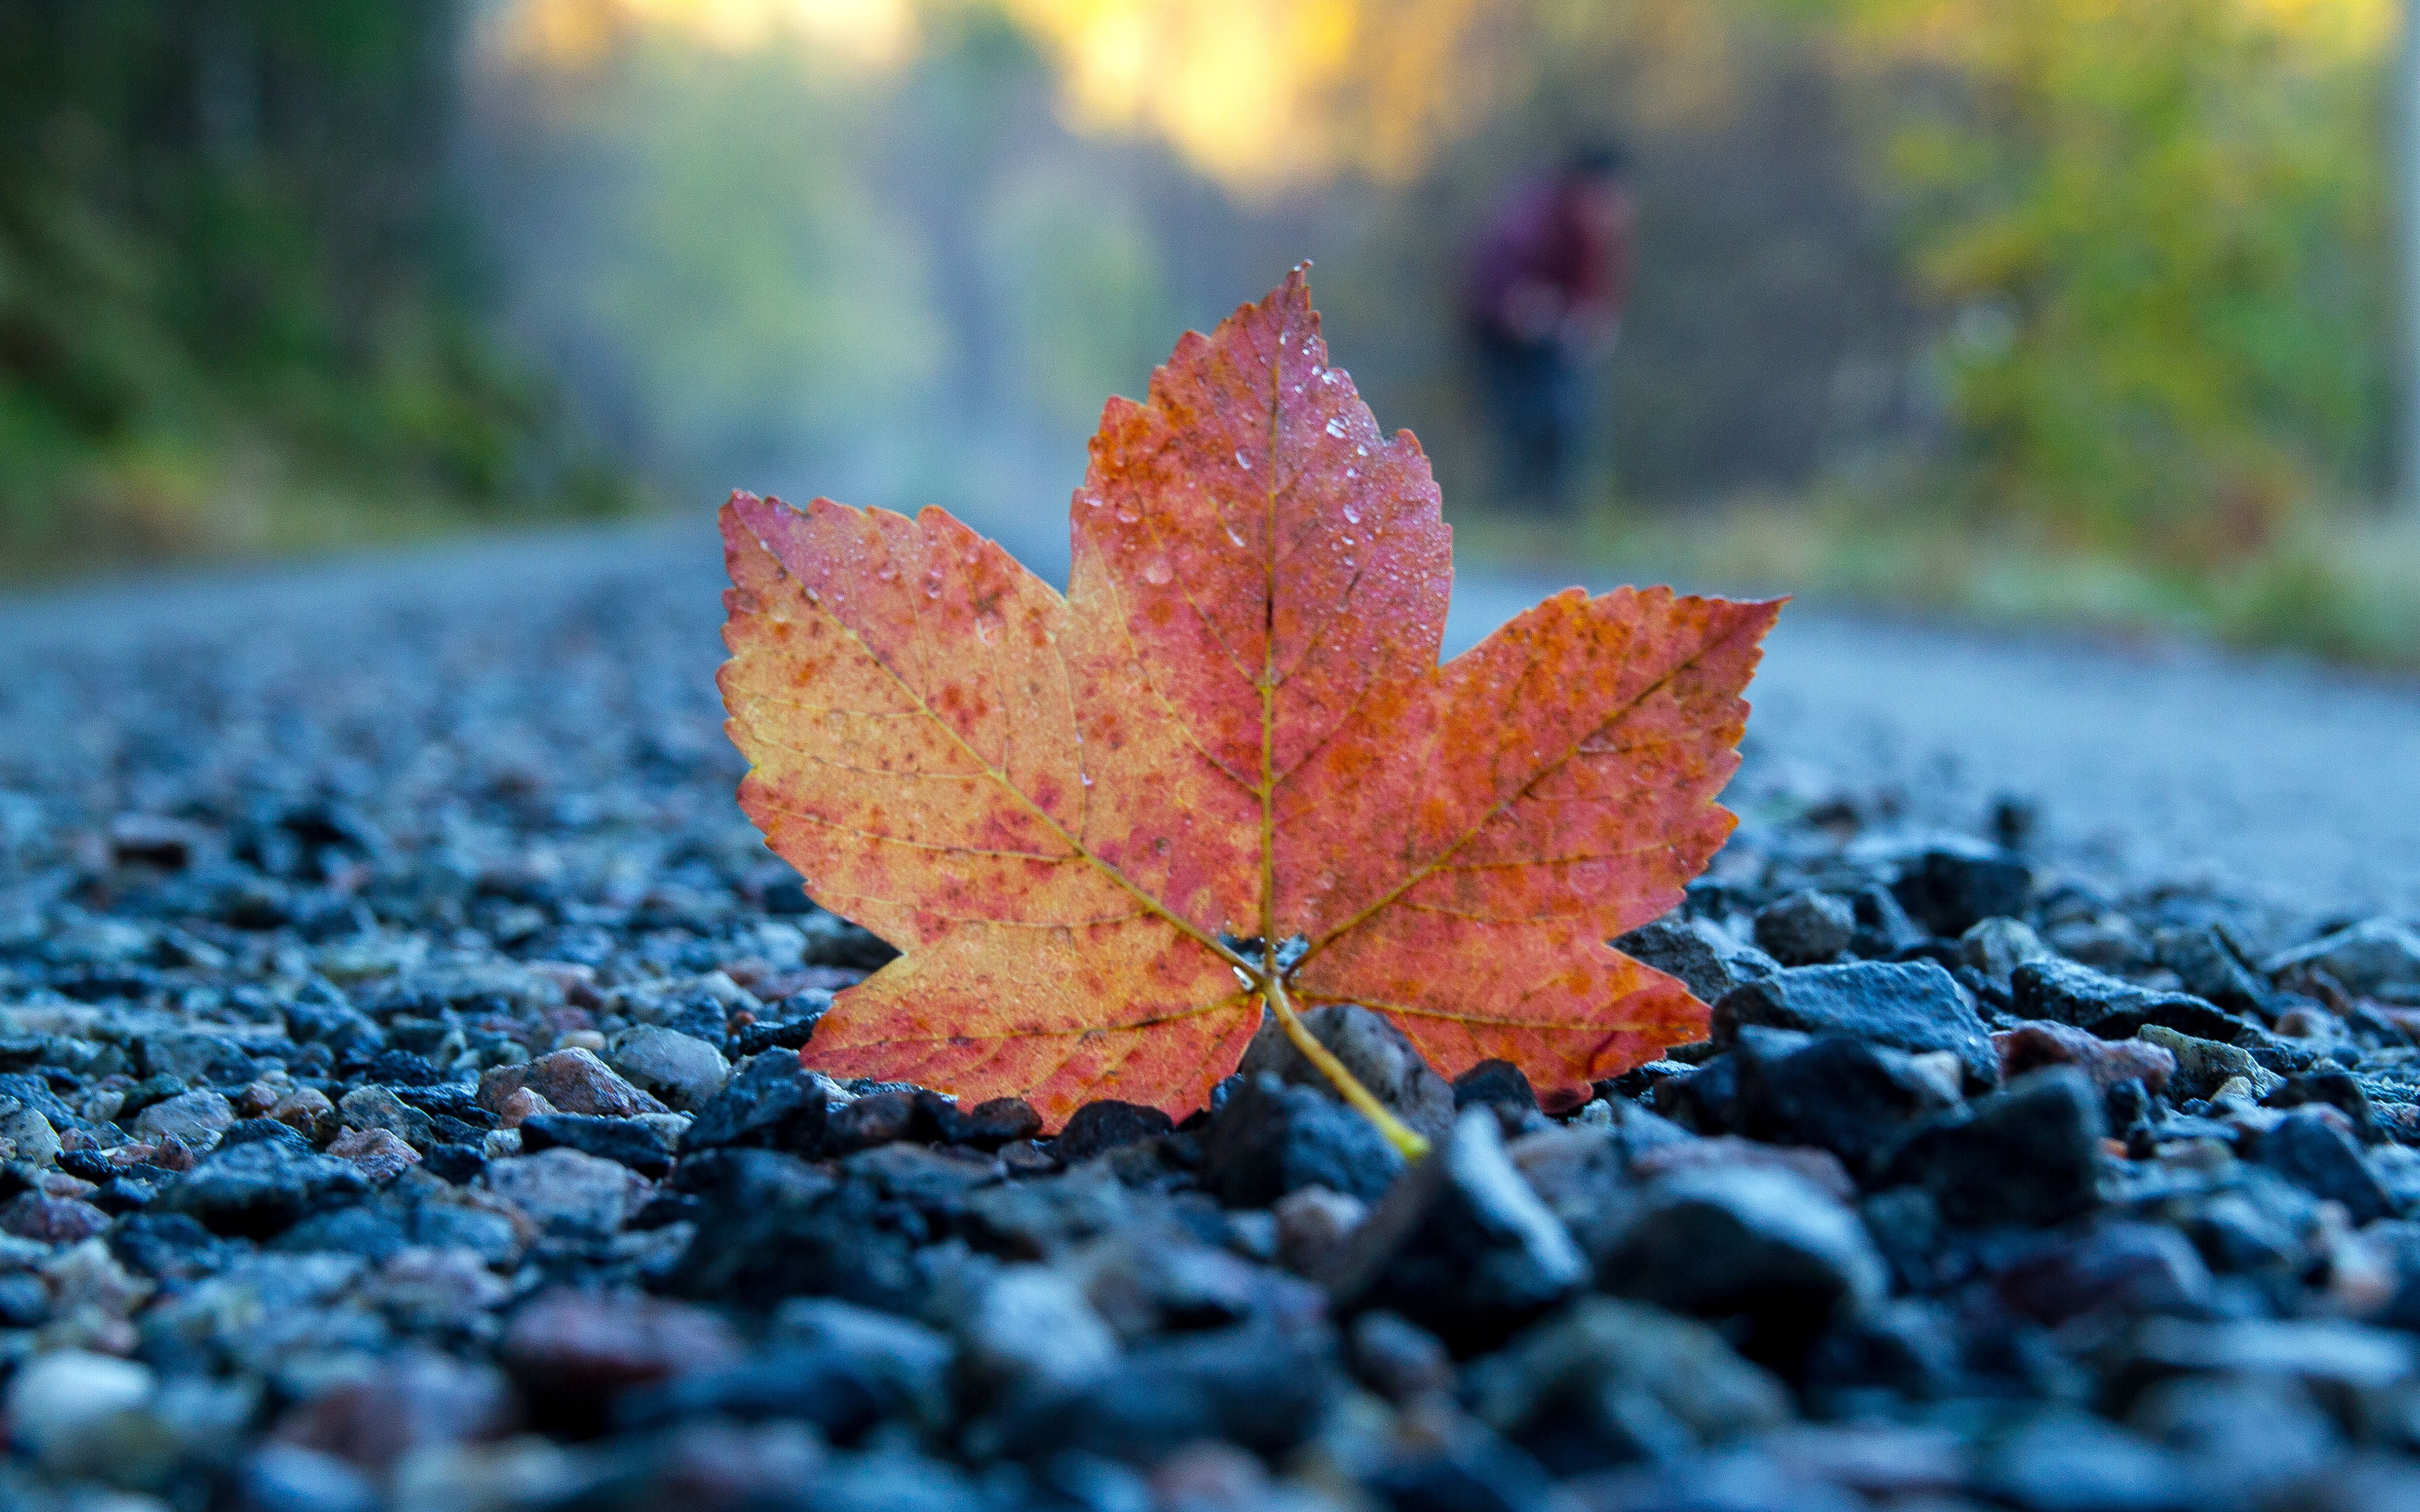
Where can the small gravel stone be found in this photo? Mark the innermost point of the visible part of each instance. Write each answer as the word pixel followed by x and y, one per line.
pixel 1997 947
pixel 2204 1065
pixel 1807 928
pixel 258 1189
pixel 514 1106
pixel 411 1402
pixel 1398 1359
pixel 1846 1096
pixel 683 1071
pixel 2313 1152
pixel 1378 1055
pixel 1273 1137
pixel 1313 1225
pixel 1613 1382
pixel 2111 1007
pixel 26 1137
pixel 379 1154
pixel 987 1125
pixel 2030 1154
pixel 64 1405
pixel 1495 1084
pixel 592 1346
pixel 308 1111
pixel 2033 1045
pixel 624 1141
pixel 1104 1125
pixel 2373 958
pixel 197 1117
pixel 52 1220
pixel 1915 1006
pixel 1952 886
pixel 1461 1246
pixel 1031 1328
pixel 286 1478
pixel 1706 958
pixel 572 1081
pixel 773 1102
pixel 2210 965
pixel 1746 1240
pixel 376 1107
pixel 876 1119
pixel 567 1190
pixel 2116 1268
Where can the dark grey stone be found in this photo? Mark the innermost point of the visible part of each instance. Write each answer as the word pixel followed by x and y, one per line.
pixel 1851 1097
pixel 1273 1137
pixel 2030 1155
pixel 1807 928
pixel 256 1131
pixel 2111 1006
pixel 1708 961
pixel 1751 1241
pixel 1495 1084
pixel 1373 1049
pixel 1913 1006
pixel 1461 1246
pixel 773 1102
pixel 2370 957
pixel 261 1188
pixel 1951 886
pixel 771 1226
pixel 624 1141
pixel 2313 1153
pixel 363 1229
pixel 2066 1461
pixel 1106 1124
pixel 1613 1382
pixel 2206 960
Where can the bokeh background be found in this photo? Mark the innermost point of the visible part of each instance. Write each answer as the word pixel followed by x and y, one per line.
pixel 2072 310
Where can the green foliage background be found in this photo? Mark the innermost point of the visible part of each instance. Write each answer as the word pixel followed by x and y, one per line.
pixel 2077 303
pixel 2158 231
pixel 233 309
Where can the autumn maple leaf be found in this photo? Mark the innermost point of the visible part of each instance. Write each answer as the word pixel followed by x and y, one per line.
pixel 1225 772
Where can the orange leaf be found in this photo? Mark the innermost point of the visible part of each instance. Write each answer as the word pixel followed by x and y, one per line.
pixel 1094 825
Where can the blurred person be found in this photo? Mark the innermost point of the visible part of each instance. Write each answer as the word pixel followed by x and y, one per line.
pixel 1543 293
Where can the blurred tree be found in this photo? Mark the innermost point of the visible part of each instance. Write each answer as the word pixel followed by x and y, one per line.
pixel 2113 271
pixel 227 277
pixel 714 259
pixel 2159 229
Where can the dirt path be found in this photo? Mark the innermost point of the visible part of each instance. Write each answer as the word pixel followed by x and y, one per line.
pixel 2278 777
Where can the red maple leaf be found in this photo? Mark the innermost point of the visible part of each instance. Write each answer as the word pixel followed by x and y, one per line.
pixel 1225 772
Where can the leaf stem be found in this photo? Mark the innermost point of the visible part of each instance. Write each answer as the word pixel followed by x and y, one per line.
pixel 1409 1143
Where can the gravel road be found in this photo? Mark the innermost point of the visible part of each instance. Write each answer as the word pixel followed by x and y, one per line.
pixel 2288 783
pixel 401 1110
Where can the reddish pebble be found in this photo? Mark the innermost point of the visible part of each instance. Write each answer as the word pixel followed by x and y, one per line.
pixel 601 1342
pixel 52 1220
pixel 379 1154
pixel 571 1081
pixel 2039 1042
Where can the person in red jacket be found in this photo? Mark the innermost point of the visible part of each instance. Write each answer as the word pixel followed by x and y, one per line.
pixel 1543 293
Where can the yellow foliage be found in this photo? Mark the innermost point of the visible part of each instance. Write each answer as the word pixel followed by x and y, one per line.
pixel 1261 95
pixel 1264 93
pixel 575 33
